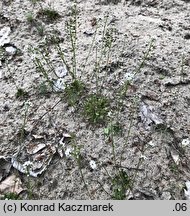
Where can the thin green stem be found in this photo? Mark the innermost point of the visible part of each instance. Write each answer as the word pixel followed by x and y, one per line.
pixel 91 47
pixel 146 55
pixel 62 56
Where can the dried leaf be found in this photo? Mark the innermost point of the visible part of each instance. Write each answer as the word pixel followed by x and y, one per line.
pixel 148 116
pixel 33 148
pixel 38 136
pixel 185 142
pixel 11 184
pixel 176 158
pixel 38 162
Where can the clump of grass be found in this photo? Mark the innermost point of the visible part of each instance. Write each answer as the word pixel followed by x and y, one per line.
pixel 120 184
pixel 30 18
pixel 21 94
pixel 40 29
pixel 96 108
pixel 74 91
pixel 48 14
pixel 54 39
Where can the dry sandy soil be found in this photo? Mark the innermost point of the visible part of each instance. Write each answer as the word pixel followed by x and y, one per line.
pixel 155 120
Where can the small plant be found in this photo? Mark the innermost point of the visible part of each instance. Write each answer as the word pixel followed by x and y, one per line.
pixel 21 94
pixel 76 153
pixel 22 130
pixel 2 52
pixel 174 168
pixel 71 28
pixel 40 29
pixel 54 39
pixel 74 91
pixel 39 62
pixel 43 89
pixel 11 196
pixel 49 14
pixel 124 89
pixel 113 129
pixel 120 184
pixel 28 167
pixel 30 18
pixel 96 108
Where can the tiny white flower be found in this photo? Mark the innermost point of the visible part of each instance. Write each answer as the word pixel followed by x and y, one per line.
pixel 33 56
pixel 93 164
pixel 28 163
pixel 128 76
pixel 61 142
pixel 27 166
pixel 151 143
pixel 143 157
pixel 28 103
pixel 185 142
pixel 110 113
pixel 68 152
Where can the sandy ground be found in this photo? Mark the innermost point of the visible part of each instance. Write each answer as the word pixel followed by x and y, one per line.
pixel 162 86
